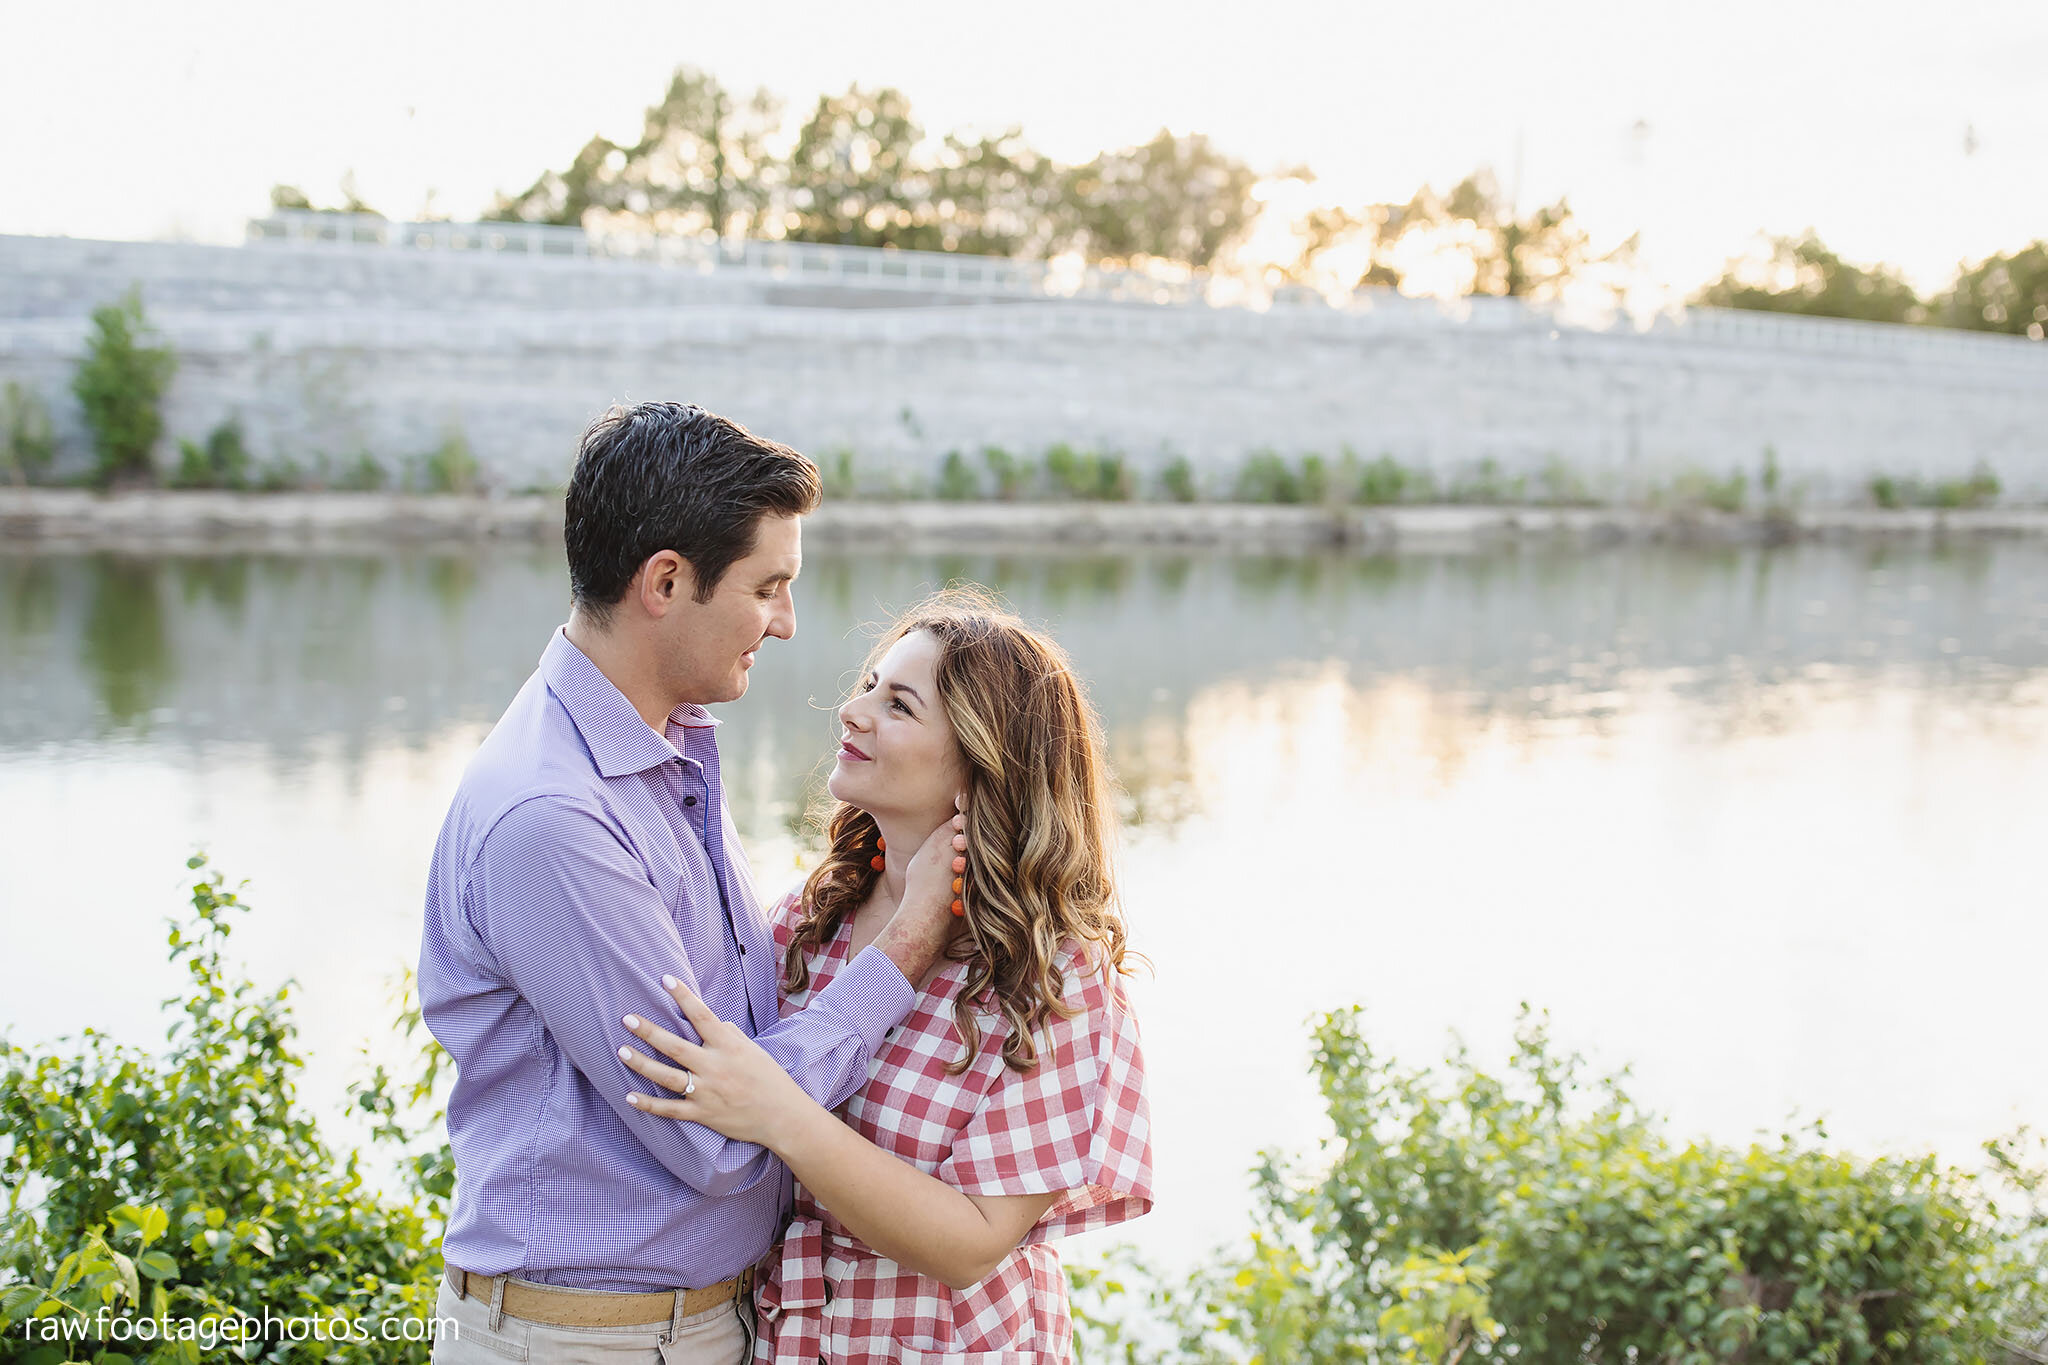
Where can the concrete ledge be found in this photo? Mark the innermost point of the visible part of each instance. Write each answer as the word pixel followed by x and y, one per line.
pixel 177 521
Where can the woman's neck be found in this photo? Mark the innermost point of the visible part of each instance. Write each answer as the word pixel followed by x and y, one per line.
pixel 902 837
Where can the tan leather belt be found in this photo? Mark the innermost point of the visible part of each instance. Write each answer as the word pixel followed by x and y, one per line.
pixel 553 1307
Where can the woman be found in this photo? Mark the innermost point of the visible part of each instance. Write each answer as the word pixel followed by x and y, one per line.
pixel 1009 1108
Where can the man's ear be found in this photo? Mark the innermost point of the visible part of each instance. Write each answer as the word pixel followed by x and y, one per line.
pixel 663 581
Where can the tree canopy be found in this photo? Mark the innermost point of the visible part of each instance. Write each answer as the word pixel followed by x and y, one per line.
pixel 1801 275
pixel 862 172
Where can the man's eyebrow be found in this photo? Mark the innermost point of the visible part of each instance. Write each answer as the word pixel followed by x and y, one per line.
pixel 779 576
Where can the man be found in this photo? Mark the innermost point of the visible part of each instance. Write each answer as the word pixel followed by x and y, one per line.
pixel 587 854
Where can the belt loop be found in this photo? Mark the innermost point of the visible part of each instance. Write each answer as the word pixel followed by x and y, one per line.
pixel 744 1302
pixel 458 1281
pixel 498 1301
pixel 675 1318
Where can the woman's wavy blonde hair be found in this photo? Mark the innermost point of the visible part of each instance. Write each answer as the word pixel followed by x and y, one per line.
pixel 1039 823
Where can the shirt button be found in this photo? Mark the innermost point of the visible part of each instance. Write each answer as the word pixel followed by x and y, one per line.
pixel 689 800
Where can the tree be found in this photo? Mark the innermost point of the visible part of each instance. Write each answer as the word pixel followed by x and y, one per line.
pixel 120 384
pixel 1174 198
pixel 1508 253
pixel 1513 254
pixel 701 164
pixel 563 197
pixel 995 196
pixel 855 176
pixel 1332 232
pixel 1801 275
pixel 2005 293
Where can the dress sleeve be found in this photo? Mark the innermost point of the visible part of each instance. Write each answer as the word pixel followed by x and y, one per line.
pixel 1077 1123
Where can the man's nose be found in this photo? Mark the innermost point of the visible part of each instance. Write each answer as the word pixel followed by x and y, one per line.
pixel 783 624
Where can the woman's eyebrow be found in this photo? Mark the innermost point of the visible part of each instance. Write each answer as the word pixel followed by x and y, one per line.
pixel 906 687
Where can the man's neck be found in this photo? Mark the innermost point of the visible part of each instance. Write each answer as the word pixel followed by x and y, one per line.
pixel 626 668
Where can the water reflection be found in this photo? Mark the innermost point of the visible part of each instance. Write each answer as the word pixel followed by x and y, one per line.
pixel 1754 820
pixel 370 650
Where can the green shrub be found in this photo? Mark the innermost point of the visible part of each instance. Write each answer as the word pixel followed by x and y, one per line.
pixel 1316 484
pixel 364 474
pixel 191 1185
pixel 1087 475
pixel 1980 489
pixel 282 475
pixel 1486 484
pixel 1267 477
pixel 1383 481
pixel 1561 485
pixel 1177 480
pixel 1535 1215
pixel 957 481
pixel 449 467
pixel 30 443
pixel 1697 488
pixel 223 462
pixel 1013 475
pixel 121 384
pixel 836 473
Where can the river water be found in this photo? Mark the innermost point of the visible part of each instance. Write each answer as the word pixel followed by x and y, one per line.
pixel 1764 824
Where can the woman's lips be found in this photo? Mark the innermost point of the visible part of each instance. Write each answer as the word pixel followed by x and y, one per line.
pixel 848 751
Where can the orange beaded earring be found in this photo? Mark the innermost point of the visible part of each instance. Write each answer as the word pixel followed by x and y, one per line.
pixel 878 862
pixel 959 885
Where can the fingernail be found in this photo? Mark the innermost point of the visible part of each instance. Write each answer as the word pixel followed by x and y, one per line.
pixel 669 983
pixel 633 1100
pixel 625 1054
pixel 632 1021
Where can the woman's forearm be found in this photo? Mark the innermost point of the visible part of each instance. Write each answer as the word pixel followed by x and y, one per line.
pixel 917 1221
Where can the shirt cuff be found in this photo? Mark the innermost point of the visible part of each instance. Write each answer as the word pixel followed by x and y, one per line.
pixel 870 997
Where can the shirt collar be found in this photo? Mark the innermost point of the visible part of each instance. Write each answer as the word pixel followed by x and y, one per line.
pixel 618 739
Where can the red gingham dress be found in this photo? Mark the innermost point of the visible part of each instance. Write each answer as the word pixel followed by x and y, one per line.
pixel 1076 1123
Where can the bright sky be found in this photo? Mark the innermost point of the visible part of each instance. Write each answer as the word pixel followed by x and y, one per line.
pixel 1700 125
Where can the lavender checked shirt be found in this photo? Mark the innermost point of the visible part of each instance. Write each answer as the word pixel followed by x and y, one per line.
pixel 584 856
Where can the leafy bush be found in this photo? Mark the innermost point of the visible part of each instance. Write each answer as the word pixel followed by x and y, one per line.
pixel 836 473
pixel 1013 475
pixel 1268 477
pixel 1697 488
pixel 957 482
pixel 1980 489
pixel 1487 483
pixel 363 474
pixel 1537 1216
pixel 121 384
pixel 1177 480
pixel 192 1186
pixel 1383 481
pixel 1088 475
pixel 449 467
pixel 223 462
pixel 28 443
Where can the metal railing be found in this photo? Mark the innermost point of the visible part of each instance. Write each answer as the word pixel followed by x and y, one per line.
pixel 788 263
pixel 1221 304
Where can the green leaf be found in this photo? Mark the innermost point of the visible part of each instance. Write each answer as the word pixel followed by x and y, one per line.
pixel 154 1223
pixel 157 1265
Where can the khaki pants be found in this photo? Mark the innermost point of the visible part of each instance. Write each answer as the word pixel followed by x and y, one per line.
pixel 717 1336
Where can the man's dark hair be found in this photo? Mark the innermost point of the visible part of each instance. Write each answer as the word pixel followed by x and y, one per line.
pixel 668 476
